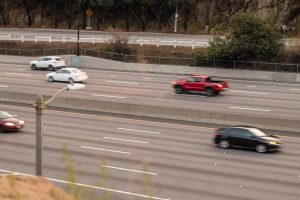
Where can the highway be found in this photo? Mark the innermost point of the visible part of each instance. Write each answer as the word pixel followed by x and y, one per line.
pixel 142 159
pixel 245 97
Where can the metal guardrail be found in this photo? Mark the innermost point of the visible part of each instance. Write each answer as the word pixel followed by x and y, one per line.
pixel 170 60
pixel 140 41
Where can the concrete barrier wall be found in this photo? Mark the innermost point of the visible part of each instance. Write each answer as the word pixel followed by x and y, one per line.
pixel 104 64
pixel 161 112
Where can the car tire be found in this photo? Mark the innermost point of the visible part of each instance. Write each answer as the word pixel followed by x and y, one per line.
pixel 70 80
pixel 33 67
pixel 2 130
pixel 50 68
pixel 209 92
pixel 261 148
pixel 50 79
pixel 224 144
pixel 179 90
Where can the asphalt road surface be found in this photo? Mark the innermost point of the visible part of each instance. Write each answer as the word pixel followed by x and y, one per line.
pixel 141 159
pixel 246 97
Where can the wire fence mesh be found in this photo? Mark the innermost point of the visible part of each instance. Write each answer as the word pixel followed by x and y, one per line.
pixel 161 60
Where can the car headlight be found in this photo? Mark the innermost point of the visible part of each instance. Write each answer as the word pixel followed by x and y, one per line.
pixel 272 142
pixel 9 124
pixel 21 122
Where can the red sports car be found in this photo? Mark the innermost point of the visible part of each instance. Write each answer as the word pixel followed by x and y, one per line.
pixel 9 123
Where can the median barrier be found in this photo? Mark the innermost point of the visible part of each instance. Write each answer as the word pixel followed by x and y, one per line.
pixel 159 112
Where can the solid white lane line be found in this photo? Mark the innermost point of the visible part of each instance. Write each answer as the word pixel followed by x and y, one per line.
pixel 108 96
pixel 251 86
pixel 123 82
pixel 3 86
pixel 19 74
pixel 89 186
pixel 114 76
pixel 21 69
pixel 254 109
pixel 120 139
pixel 248 92
pixel 147 78
pixel 295 89
pixel 130 170
pixel 94 148
pixel 135 130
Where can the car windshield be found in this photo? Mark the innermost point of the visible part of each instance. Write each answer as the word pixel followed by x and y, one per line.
pixel 5 115
pixel 257 132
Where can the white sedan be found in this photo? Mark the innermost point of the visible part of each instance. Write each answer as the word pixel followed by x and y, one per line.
pixel 49 62
pixel 70 75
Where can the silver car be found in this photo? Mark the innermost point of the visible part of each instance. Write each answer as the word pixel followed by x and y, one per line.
pixel 50 63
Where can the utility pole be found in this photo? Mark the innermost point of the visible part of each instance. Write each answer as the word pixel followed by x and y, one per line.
pixel 176 17
pixel 39 107
pixel 78 37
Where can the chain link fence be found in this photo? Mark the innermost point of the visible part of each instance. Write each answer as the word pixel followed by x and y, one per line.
pixel 172 60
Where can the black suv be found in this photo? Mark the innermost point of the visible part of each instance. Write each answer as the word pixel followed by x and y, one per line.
pixel 246 137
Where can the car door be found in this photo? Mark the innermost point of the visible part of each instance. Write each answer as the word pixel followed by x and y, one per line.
pixel 239 137
pixel 41 63
pixel 199 84
pixel 59 75
pixel 190 84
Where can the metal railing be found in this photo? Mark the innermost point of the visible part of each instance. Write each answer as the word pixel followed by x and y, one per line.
pixel 161 60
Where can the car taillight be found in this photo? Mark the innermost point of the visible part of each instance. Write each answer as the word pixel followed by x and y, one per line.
pixel 215 135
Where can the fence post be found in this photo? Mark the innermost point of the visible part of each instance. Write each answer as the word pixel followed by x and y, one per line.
pixel 158 59
pixel 111 55
pixel 50 39
pixel 35 39
pixel 64 39
pixel 141 42
pixel 22 38
pixel 9 37
pixel 98 53
pixel 157 45
pixel 275 67
pixel 125 58
pixel 175 43
pixel 93 40
pixel 193 44
pixel 176 60
pixel 297 68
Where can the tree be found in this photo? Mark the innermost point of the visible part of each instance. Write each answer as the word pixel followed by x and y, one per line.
pixel 141 8
pixel 126 4
pixel 2 5
pixel 251 38
pixel 102 8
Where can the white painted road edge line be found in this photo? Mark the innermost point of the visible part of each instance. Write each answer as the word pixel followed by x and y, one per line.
pixel 123 82
pixel 248 92
pixel 134 130
pixel 254 109
pixel 3 86
pixel 109 96
pixel 19 74
pixel 89 186
pixel 110 138
pixel 115 151
pixel 295 89
pixel 130 170
pixel 251 86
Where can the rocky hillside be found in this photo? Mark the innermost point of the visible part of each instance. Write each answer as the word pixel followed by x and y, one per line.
pixel 145 15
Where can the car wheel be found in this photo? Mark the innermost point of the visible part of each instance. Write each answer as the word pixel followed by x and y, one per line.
pixel 261 148
pixel 33 67
pixel 224 144
pixel 209 92
pixel 50 79
pixel 50 68
pixel 71 80
pixel 178 90
pixel 2 130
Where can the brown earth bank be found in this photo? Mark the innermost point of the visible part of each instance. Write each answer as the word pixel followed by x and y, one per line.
pixel 290 55
pixel 29 188
pixel 156 16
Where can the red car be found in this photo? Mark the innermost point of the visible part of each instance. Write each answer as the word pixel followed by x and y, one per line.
pixel 9 123
pixel 200 83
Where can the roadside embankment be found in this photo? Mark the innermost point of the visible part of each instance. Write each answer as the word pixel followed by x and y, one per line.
pixel 160 112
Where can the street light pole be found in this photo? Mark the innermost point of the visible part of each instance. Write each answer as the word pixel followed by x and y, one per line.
pixel 78 37
pixel 176 17
pixel 40 106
